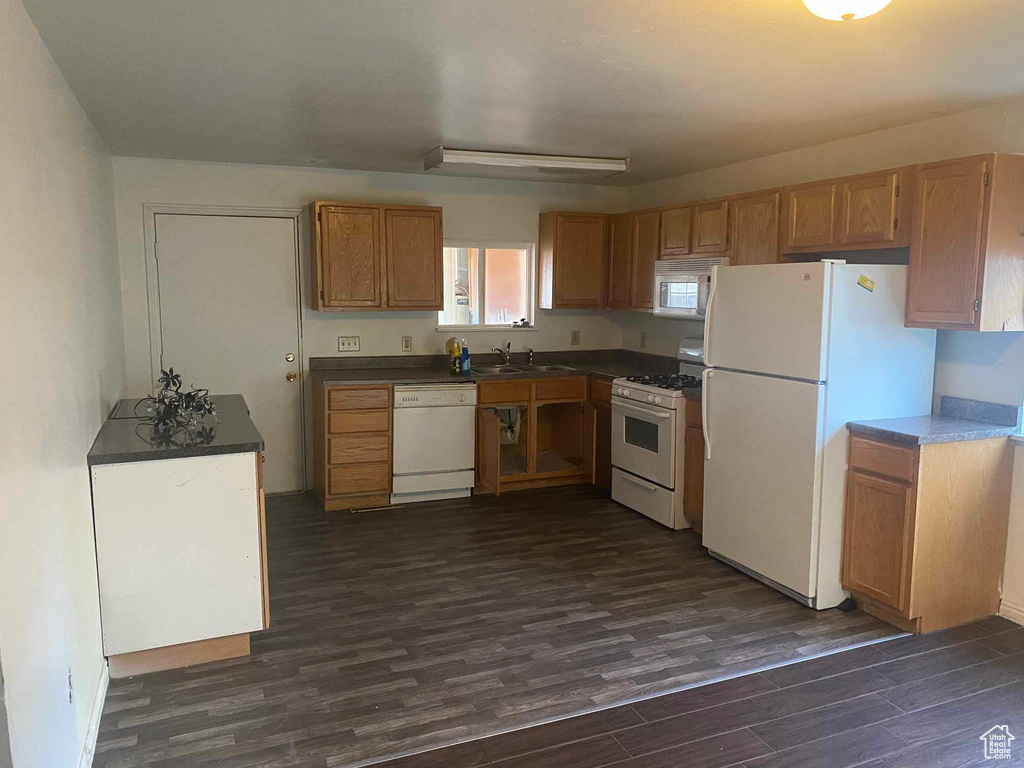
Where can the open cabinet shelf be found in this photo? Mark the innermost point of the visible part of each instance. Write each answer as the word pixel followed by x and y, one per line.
pixel 528 443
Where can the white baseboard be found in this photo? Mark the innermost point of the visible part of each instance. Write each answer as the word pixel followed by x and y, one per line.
pixel 100 698
pixel 1014 613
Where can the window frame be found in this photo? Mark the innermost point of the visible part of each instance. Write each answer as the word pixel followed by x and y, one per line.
pixel 531 299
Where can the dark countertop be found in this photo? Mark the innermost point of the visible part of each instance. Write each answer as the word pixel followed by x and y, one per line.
pixel 958 420
pixel 124 438
pixel 432 369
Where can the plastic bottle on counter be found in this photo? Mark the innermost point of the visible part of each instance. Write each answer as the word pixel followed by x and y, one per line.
pixel 456 357
pixel 465 357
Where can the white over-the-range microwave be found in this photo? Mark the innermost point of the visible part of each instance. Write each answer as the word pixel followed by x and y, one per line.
pixel 682 287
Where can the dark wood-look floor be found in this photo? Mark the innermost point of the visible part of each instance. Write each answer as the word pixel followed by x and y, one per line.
pixel 916 702
pixel 409 629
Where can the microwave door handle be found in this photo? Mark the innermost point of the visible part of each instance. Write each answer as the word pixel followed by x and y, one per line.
pixel 704 414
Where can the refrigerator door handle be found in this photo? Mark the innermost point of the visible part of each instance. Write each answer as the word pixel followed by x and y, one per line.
pixel 704 414
pixel 707 317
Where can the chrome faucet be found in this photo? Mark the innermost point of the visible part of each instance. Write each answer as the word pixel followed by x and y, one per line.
pixel 506 353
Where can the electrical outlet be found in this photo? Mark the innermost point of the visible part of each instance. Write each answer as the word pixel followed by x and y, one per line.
pixel 348 343
pixel 71 688
pixel 574 338
pixel 407 343
pixel 643 339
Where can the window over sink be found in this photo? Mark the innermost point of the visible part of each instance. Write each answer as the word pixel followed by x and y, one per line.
pixel 487 285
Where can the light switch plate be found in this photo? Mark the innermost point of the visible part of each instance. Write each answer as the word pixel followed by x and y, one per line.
pixel 348 343
pixel 574 338
pixel 407 343
pixel 643 339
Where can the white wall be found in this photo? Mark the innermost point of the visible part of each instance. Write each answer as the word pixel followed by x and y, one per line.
pixel 982 366
pixel 473 208
pixel 61 371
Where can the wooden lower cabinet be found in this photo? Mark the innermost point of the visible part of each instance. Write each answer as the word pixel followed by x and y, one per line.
pixel 693 465
pixel 352 446
pixel 532 433
pixel 920 530
pixel 601 403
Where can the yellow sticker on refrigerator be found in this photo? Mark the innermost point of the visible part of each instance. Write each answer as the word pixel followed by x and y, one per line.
pixel 866 283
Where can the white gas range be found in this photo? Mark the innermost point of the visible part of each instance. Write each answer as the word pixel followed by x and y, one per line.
pixel 647 442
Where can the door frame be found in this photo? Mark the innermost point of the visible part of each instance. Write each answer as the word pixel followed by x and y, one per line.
pixel 149 214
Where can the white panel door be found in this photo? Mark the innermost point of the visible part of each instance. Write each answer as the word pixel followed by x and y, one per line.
pixel 762 474
pixel 229 315
pixel 769 319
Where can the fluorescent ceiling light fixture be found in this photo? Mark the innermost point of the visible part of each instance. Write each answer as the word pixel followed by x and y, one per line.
pixel 845 10
pixel 442 157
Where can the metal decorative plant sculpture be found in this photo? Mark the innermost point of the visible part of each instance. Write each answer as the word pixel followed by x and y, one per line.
pixel 171 411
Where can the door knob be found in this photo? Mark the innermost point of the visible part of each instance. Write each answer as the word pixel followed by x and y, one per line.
pixel 290 376
pixel 289 358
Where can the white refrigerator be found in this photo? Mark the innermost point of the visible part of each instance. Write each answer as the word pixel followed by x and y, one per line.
pixel 794 351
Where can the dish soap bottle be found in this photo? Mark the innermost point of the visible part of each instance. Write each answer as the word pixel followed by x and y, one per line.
pixel 465 357
pixel 456 356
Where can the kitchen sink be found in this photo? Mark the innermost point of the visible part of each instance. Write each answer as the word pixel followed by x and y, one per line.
pixel 485 370
pixel 541 368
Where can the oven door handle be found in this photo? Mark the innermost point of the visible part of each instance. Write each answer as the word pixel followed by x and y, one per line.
pixel 644 411
pixel 650 487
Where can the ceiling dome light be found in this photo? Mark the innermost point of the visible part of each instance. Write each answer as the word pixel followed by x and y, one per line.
pixel 845 10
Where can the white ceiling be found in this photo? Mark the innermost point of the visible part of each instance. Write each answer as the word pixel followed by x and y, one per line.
pixel 676 85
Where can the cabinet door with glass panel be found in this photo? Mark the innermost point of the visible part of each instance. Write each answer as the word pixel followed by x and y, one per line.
pixel 487 285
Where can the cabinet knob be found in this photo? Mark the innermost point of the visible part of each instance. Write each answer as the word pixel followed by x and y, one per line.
pixel 291 376
pixel 289 358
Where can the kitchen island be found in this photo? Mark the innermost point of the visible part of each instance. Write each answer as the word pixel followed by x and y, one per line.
pixel 180 538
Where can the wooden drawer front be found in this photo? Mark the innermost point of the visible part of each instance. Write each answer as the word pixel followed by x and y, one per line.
pixel 344 422
pixel 561 389
pixel 359 478
pixel 502 391
pixel 358 449
pixel 883 458
pixel 600 390
pixel 358 399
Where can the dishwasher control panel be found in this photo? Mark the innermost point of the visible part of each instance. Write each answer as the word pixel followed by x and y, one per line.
pixel 434 395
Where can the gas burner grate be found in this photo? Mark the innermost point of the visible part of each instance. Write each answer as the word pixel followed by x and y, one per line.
pixel 671 381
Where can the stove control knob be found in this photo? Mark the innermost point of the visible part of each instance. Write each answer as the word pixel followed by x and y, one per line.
pixel 624 392
pixel 657 401
pixel 650 398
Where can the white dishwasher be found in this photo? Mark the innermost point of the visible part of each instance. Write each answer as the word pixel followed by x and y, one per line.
pixel 434 442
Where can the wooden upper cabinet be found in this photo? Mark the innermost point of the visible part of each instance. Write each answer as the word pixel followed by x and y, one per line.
pixel 571 260
pixel 676 224
pixel 413 250
pixel 646 247
pixel 620 261
pixel 811 216
pixel 754 235
pixel 711 227
pixel 869 209
pixel 373 257
pixel 946 254
pixel 346 240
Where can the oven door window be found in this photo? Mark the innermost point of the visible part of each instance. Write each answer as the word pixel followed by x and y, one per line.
pixel 640 433
pixel 678 295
